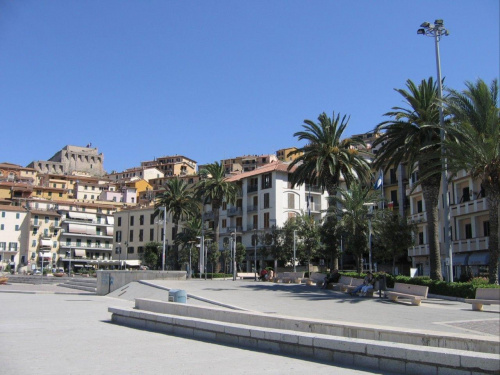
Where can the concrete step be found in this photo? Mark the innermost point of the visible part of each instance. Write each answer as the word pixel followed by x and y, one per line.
pixel 379 354
pixel 79 287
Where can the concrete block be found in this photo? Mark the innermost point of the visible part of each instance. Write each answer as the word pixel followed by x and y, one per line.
pixel 480 361
pixel 183 331
pixel 306 339
pixel 257 333
pixel 205 335
pixel 227 339
pixel 236 330
pixel 414 368
pixel 366 361
pixel 432 356
pixel 273 335
pixel 289 338
pixel 392 365
pixel 209 326
pixel 325 355
pixel 452 371
pixel 248 342
pixel 386 350
pixel 343 358
pixel 268 346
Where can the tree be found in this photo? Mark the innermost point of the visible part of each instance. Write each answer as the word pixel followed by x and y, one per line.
pixel 241 254
pixel 330 235
pixel 412 137
pixel 213 255
pixel 151 256
pixel 187 239
pixel 350 207
pixel 326 159
pixel 307 238
pixel 180 203
pixel 394 235
pixel 473 145
pixel 214 188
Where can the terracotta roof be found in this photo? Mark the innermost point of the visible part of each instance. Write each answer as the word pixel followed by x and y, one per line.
pixel 271 167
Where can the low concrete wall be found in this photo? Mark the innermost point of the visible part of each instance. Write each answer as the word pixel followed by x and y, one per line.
pixel 109 281
pixel 381 355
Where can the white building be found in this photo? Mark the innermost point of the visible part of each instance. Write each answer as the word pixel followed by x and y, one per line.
pixel 13 229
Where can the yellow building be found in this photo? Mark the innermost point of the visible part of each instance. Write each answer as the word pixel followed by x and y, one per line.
pixel 283 154
pixel 173 166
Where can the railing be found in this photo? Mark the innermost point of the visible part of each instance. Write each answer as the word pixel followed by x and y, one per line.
pixel 252 208
pixel 86 246
pixel 471 244
pixel 313 189
pixel 233 211
pixel 252 188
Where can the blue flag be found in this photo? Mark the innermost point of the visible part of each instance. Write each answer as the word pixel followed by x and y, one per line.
pixel 379 182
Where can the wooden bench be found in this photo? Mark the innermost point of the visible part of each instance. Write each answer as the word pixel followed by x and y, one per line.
pixel 414 292
pixel 316 278
pixel 484 296
pixel 289 277
pixel 354 284
pixel 344 281
pixel 246 275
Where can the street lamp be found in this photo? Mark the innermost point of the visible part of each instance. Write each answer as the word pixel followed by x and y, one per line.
pixel 255 253
pixel 294 250
pixel 437 30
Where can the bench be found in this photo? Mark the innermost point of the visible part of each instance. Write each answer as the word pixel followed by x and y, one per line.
pixel 354 284
pixel 416 293
pixel 246 275
pixel 344 281
pixel 484 296
pixel 316 278
pixel 289 277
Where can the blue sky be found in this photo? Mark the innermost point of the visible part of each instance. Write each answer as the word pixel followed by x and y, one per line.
pixel 214 79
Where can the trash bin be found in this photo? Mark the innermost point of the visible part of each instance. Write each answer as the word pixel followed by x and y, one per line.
pixel 382 285
pixel 177 295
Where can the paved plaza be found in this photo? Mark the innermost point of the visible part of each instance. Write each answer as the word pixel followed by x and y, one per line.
pixel 56 330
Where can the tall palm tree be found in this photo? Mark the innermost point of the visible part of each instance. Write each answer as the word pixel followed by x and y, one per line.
pixel 180 202
pixel 412 137
pixel 475 147
pixel 326 158
pixel 214 188
pixel 351 206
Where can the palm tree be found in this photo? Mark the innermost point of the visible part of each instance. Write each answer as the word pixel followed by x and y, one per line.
pixel 187 238
pixel 475 147
pixel 326 159
pixel 412 137
pixel 351 206
pixel 179 201
pixel 214 188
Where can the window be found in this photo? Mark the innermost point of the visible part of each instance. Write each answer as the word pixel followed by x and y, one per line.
pixel 141 235
pixel 118 236
pixel 266 220
pixel 224 206
pixel 54 244
pixel 68 242
pixel 131 220
pixel 394 197
pixel 392 174
pixel 3 213
pixel 50 193
pixel 465 194
pixel 419 206
pixel 266 200
pixel 468 231
pixel 486 228
pixel 1 227
pixel 255 221
pixel 89 243
pixel 152 219
pixel 45 232
pixel 420 238
pixel 17 228
pixel 33 243
pixel 141 220
pixel 79 243
pixel 17 215
pixel 224 223
pixel 291 200
pixel 131 235
pixel 119 223
pixel 140 250
pixel 130 250
pixel 151 234
pixel 46 219
pixel 12 246
pixel 35 231
pixel 60 195
pixel 267 181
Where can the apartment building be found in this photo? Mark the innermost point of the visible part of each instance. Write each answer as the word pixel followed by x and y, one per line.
pixel 267 199
pixel 144 172
pixel 283 154
pixel 13 229
pixel 134 227
pixel 246 163
pixel 172 166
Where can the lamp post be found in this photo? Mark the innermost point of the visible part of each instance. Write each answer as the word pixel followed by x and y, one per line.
pixel 294 250
pixel 164 209
pixel 369 216
pixel 255 254
pixel 437 30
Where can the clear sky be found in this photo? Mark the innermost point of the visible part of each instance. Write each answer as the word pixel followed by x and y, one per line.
pixel 214 79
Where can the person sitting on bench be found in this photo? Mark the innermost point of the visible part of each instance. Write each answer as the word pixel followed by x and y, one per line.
pixel 368 283
pixel 333 278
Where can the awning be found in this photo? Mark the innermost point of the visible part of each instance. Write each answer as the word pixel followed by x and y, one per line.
pixel 134 262
pixel 460 259
pixel 111 220
pixel 80 253
pixel 82 216
pixel 479 259
pixel 81 229
pixel 46 243
pixel 109 231
pixel 46 255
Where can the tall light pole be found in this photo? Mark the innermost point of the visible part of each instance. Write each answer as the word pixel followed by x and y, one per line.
pixel 437 30
pixel 164 209
pixel 255 254
pixel 294 250
pixel 369 216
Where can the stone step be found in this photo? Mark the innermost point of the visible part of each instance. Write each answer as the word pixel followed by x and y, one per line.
pixel 78 287
pixel 378 354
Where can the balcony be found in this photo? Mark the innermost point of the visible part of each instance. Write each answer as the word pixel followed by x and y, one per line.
pixel 469 207
pixel 419 250
pixel 470 244
pixel 72 245
pixel 419 217
pixel 252 188
pixel 251 208
pixel 208 215
pixel 234 211
pixel 313 189
pixel 35 224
